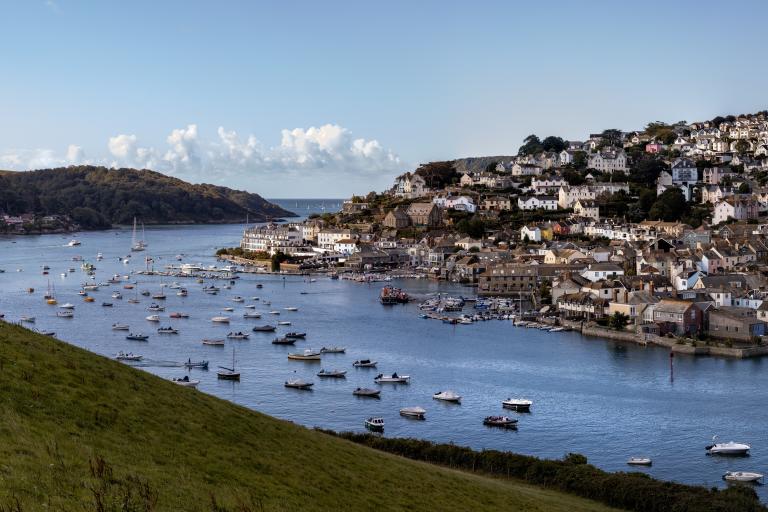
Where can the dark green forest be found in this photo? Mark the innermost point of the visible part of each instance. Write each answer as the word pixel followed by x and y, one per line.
pixel 96 197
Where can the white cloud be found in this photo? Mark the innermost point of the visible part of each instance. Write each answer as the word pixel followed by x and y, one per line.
pixel 311 153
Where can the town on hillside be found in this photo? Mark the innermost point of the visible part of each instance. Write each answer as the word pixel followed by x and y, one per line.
pixel 659 233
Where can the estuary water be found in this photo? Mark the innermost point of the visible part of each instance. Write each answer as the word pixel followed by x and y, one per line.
pixel 606 400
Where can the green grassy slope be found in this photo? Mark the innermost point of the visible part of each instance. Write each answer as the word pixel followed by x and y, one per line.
pixel 79 432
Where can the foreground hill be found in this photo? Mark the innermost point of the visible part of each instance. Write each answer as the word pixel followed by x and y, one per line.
pixel 96 197
pixel 79 432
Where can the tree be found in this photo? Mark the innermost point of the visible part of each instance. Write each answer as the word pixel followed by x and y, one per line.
pixel 491 167
pixel 647 171
pixel 611 137
pixel 553 143
pixel 744 188
pixel 618 321
pixel 580 159
pixel 531 146
pixel 742 146
pixel 669 206
pixel 545 292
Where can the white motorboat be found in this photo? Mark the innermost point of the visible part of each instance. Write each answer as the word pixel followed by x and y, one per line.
pixel 394 378
pixel 284 322
pixel 228 309
pixel 250 306
pixel 128 356
pixel 334 374
pixel 237 299
pixel 639 461
pixel 186 382
pixel 213 342
pixel 364 363
pixel 68 305
pixel 274 312
pixel 413 412
pixel 117 295
pixel 447 396
pixel 556 329
pixel 73 243
pixel 238 336
pixel 291 308
pixel 367 392
pixel 742 476
pixel 155 307
pixel 65 314
pixel 517 404
pixel 120 327
pixel 299 384
pixel 375 423
pixel 220 319
pixel 153 318
pixel 307 355
pixel 249 314
pixel 729 448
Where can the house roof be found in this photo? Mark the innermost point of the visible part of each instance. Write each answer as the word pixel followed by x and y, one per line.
pixel 673 306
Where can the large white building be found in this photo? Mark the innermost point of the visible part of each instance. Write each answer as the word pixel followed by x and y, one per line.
pixel 273 238
pixel 608 161
pixel 327 238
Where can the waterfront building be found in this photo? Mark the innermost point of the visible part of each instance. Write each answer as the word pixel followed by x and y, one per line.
pixel 273 238
pixel 326 238
pixel 678 317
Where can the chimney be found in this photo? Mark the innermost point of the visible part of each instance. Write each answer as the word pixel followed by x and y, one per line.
pixel 651 286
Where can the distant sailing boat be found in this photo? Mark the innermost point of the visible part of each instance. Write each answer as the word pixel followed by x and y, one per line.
pixel 50 296
pixel 137 245
pixel 229 373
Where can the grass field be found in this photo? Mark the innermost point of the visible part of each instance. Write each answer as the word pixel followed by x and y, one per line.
pixel 80 432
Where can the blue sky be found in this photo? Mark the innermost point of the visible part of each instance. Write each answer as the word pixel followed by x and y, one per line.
pixel 303 99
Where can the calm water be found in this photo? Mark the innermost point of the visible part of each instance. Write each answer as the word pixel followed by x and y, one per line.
pixel 605 400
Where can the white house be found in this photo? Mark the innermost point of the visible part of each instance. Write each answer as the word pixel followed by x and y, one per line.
pixel 327 238
pixel 599 271
pixel 587 208
pixel 530 233
pixel 525 170
pixel 684 172
pixel 608 161
pixel 345 246
pixel 537 202
pixel 732 208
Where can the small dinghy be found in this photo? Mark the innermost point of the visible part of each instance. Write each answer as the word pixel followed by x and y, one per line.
pixel 447 396
pixel 393 379
pixel 375 424
pixel 367 392
pixel 416 413
pixel 299 384
pixel 333 374
pixel 237 335
pixel 333 350
pixel 213 342
pixel 517 404
pixel 364 363
pixel 137 337
pixel 283 341
pixel 106 304
pixel 742 476
pixel 28 319
pixel 44 332
pixel 639 461
pixel 220 319
pixel 500 421
pixel 128 356
pixel 186 382
pixel 264 328
pixel 295 335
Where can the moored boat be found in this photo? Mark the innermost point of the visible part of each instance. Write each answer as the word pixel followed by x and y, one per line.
pixel 213 342
pixel 367 392
pixel 447 396
pixel 639 461
pixel 189 363
pixel 153 318
pixel 500 421
pixel 238 335
pixel 250 314
pixel 283 341
pixel 364 363
pixel 334 374
pixel 517 404
pixel 137 337
pixel 413 412
pixel 128 356
pixel 299 384
pixel 742 476
pixel 167 330
pixel 730 448
pixel 264 328
pixel 394 378
pixel 307 355
pixel 333 350
pixel 295 335
pixel 66 313
pixel 185 381
pixel 375 424
pixel 220 319
pixel 225 373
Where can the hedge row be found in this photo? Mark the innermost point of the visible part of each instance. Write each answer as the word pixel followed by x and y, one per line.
pixel 629 491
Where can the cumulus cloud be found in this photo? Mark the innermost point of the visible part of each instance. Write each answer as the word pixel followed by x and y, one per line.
pixel 302 152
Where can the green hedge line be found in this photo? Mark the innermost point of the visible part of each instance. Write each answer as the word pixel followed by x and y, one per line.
pixel 630 491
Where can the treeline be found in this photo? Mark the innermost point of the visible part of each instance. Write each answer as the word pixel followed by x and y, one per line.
pixel 96 197
pixel 629 491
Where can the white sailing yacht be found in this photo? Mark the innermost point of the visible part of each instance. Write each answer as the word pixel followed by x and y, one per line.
pixel 138 245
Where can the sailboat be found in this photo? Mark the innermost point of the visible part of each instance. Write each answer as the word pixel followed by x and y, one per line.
pixel 229 373
pixel 50 296
pixel 137 245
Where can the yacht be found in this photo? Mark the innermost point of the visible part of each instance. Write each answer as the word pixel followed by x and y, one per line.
pixel 299 384
pixel 517 404
pixel 394 378
pixel 729 448
pixel 225 373
pixel 413 412
pixel 375 423
pixel 447 396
